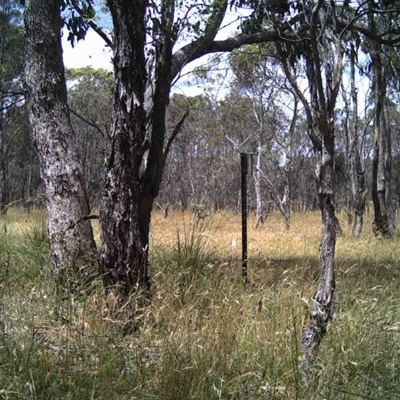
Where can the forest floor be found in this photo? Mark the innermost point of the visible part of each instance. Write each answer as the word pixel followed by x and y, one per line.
pixel 205 335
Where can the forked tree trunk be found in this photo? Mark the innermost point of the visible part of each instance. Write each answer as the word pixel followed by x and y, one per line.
pixel 320 118
pixel 72 243
pixel 132 180
pixel 124 225
pixel 323 100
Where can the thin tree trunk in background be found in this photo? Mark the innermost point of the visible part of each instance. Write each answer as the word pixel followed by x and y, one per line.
pixel 387 167
pixel 72 243
pixel 4 194
pixel 356 170
pixel 381 157
pixel 257 174
pixel 286 198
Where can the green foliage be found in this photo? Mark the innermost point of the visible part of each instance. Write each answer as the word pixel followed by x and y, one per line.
pixel 11 45
pixel 266 13
pixel 79 14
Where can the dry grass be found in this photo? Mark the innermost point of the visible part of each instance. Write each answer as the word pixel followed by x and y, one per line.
pixel 204 335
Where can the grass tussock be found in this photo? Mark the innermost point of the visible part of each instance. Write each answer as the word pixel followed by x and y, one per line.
pixel 205 335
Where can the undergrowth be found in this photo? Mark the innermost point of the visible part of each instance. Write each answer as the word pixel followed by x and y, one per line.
pixel 205 335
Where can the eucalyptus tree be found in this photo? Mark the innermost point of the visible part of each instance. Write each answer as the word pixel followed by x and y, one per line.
pixel 320 50
pixel 147 58
pixel 237 118
pixel 356 169
pixel 322 55
pixel 381 172
pixel 377 35
pixel 72 243
pixel 188 174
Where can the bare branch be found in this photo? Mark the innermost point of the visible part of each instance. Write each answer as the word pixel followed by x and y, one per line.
pixel 237 146
pixel 174 133
pixel 90 123
pixel 316 141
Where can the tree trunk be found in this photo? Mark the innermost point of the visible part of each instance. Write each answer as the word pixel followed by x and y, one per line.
pixel 132 180
pixel 323 100
pixel 257 187
pixel 4 190
pixel 124 222
pixel 356 170
pixel 72 243
pixel 322 308
pixel 387 168
pixel 359 193
pixel 381 158
pixel 380 165
pixel 286 202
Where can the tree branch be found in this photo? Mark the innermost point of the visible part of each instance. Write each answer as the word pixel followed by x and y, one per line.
pixel 92 124
pixel 316 140
pixel 197 49
pixel 93 25
pixel 379 38
pixel 174 133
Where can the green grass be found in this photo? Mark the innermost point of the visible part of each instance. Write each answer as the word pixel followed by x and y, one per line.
pixel 205 335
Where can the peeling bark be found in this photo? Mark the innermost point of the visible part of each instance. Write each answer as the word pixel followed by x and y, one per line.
pixel 124 224
pixel 322 307
pixel 323 94
pixel 138 146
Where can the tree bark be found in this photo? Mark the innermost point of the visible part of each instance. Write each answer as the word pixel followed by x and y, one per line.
pixel 138 148
pixel 322 306
pixel 124 223
pixel 4 190
pixel 320 111
pixel 323 94
pixel 357 176
pixel 257 187
pixel 381 157
pixel 136 158
pixel 72 244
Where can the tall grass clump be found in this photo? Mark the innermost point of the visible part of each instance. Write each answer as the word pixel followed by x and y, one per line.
pixel 204 335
